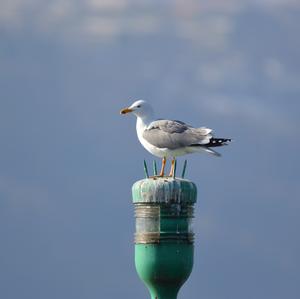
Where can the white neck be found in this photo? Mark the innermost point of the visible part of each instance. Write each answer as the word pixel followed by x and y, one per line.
pixel 145 117
pixel 142 123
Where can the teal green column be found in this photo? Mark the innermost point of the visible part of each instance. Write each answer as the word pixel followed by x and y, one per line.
pixel 164 238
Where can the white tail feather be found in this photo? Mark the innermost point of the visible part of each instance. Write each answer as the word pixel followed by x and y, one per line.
pixel 204 131
pixel 207 150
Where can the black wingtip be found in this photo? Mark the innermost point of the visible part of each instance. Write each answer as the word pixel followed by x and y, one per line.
pixel 218 142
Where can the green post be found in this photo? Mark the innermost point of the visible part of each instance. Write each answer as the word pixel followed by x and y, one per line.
pixel 164 238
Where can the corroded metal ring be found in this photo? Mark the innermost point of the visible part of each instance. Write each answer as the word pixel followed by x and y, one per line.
pixel 156 237
pixel 146 211
pixel 156 223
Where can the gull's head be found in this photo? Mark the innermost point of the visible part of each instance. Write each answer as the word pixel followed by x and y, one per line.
pixel 139 109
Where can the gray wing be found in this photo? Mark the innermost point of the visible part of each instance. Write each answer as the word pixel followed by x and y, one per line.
pixel 173 134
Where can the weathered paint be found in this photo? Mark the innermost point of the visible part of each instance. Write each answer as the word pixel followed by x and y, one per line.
pixel 164 189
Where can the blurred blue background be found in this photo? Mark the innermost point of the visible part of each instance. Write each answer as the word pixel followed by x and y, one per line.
pixel 68 159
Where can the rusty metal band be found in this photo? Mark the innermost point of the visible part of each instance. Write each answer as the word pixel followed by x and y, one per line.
pixel 147 211
pixel 156 237
pixel 154 211
pixel 146 238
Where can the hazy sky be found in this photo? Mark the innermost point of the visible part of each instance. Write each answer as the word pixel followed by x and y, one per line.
pixel 68 159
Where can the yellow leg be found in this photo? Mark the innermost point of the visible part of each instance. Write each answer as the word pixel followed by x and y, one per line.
pixel 163 165
pixel 172 167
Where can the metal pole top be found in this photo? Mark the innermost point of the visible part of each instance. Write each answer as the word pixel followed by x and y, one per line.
pixel 164 190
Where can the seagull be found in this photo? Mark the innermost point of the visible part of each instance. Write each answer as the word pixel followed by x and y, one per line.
pixel 171 138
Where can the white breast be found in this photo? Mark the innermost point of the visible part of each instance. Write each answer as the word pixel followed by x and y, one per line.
pixel 140 127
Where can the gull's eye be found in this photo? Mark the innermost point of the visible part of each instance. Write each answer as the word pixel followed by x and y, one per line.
pixel 138 106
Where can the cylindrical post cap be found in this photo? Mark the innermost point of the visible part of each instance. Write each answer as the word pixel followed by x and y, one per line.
pixel 164 210
pixel 164 235
pixel 164 190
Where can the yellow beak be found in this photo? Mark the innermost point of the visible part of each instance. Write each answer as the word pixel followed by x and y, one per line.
pixel 125 111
